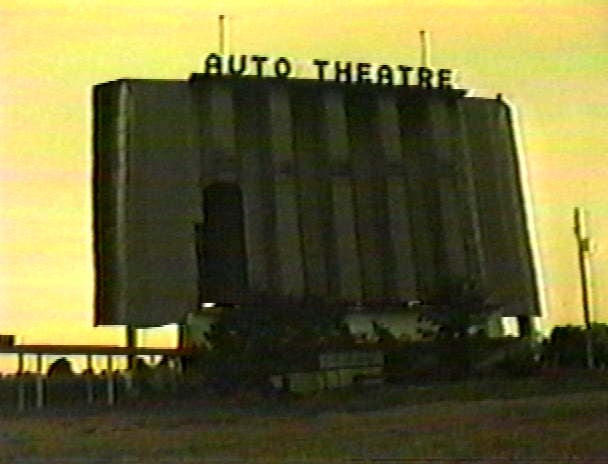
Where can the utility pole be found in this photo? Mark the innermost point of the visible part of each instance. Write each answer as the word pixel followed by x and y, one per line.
pixel 583 252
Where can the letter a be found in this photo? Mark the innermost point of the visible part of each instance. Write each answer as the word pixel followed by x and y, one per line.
pixel 213 64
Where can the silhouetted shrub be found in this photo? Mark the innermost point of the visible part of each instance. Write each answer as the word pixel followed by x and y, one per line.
pixel 248 344
pixel 458 306
pixel 519 358
pixel 567 346
pixel 445 359
pixel 60 368
pixel 383 337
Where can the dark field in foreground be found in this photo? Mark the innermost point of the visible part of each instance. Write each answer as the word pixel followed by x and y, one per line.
pixel 534 420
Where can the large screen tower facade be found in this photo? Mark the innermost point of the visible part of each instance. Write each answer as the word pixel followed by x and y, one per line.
pixel 221 189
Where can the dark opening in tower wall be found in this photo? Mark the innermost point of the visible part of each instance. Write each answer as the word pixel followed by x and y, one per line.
pixel 221 244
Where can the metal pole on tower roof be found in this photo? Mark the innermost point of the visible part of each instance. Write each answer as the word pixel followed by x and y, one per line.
pixel 222 34
pixel 425 49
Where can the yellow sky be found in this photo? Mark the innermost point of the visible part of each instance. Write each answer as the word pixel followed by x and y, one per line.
pixel 548 58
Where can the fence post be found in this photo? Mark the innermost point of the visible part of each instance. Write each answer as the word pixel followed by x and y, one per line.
pixel 39 382
pixel 110 383
pixel 21 393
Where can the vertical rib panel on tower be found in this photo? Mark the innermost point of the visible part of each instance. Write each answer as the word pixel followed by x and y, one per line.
pixel 507 258
pixel 311 170
pixel 420 168
pixel 370 193
pixel 287 221
pixel 346 266
pixel 400 237
pixel 450 210
pixel 156 184
pixel 257 179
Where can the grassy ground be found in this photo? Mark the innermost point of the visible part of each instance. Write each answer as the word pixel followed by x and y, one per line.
pixel 562 418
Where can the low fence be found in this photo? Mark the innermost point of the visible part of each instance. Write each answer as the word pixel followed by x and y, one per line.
pixel 27 389
pixel 32 391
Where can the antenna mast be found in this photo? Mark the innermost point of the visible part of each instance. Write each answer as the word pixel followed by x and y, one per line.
pixel 425 49
pixel 222 34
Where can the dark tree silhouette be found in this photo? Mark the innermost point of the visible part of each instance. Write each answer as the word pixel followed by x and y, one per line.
pixel 60 368
pixel 269 336
pixel 458 306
